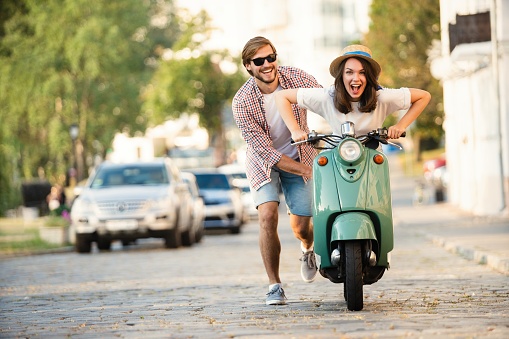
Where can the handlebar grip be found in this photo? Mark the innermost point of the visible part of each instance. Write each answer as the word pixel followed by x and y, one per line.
pixel 403 135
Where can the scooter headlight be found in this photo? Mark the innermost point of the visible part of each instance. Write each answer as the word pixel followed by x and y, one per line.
pixel 350 150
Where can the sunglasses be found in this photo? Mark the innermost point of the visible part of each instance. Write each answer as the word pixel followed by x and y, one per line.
pixel 260 61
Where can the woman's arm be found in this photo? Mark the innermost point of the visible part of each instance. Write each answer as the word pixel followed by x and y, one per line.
pixel 284 101
pixel 419 100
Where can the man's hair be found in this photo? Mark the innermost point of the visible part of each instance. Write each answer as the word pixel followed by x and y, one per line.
pixel 252 46
pixel 368 100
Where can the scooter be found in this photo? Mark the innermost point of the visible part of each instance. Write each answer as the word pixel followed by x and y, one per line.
pixel 352 213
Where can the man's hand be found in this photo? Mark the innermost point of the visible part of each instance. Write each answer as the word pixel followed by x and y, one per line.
pixel 299 135
pixel 289 165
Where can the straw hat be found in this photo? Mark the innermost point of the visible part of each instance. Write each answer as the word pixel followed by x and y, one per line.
pixel 357 51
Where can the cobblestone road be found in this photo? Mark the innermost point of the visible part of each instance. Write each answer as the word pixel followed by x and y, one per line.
pixel 216 290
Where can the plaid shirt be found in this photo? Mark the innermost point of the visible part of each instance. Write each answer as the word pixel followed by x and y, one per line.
pixel 249 114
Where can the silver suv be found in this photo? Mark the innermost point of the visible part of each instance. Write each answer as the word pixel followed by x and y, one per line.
pixel 128 201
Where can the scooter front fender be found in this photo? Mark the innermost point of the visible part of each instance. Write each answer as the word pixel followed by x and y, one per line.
pixel 352 226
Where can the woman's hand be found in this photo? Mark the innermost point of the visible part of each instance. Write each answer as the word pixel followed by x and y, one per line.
pixel 394 132
pixel 419 100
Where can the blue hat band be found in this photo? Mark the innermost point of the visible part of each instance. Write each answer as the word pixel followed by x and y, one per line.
pixel 358 53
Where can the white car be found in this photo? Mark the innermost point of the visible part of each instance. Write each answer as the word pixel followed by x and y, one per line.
pixel 238 173
pixel 198 212
pixel 129 201
pixel 223 204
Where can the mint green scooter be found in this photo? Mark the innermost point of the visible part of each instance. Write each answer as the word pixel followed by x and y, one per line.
pixel 352 215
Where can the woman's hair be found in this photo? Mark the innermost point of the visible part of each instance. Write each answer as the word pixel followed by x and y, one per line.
pixel 252 46
pixel 368 100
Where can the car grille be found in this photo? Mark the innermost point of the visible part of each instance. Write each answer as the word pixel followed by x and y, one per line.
pixel 118 207
pixel 230 216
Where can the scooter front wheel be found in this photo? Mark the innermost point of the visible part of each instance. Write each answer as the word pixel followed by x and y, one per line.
pixel 353 288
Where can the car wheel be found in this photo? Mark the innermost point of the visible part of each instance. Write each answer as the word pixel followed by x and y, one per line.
pixel 172 238
pixel 188 238
pixel 103 244
pixel 126 242
pixel 235 230
pixel 199 234
pixel 83 243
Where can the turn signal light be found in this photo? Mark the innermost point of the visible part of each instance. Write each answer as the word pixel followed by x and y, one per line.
pixel 322 161
pixel 378 159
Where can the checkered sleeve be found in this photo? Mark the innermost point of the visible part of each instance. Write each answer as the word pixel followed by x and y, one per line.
pixel 250 119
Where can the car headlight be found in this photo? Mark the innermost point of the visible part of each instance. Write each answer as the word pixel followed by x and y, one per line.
pixel 161 203
pixel 350 150
pixel 81 206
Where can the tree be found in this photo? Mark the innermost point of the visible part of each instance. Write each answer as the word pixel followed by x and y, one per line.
pixel 191 81
pixel 73 61
pixel 78 61
pixel 400 35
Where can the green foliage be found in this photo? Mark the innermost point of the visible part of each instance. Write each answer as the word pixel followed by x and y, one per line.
pixel 400 36
pixel 25 241
pixel 94 63
pixel 72 61
pixel 56 221
pixel 190 81
pixel 192 85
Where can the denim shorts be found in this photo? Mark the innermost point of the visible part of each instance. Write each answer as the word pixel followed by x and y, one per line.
pixel 298 193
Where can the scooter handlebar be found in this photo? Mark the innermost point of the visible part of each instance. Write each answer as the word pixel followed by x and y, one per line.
pixel 314 137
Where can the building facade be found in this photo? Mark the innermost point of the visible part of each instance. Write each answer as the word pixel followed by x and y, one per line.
pixel 474 70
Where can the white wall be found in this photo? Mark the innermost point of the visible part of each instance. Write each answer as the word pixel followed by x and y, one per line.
pixel 476 113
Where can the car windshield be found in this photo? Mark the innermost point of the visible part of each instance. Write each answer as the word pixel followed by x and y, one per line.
pixel 131 175
pixel 239 175
pixel 212 181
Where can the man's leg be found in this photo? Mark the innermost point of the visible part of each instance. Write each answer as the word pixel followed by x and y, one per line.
pixel 270 247
pixel 298 196
pixel 302 228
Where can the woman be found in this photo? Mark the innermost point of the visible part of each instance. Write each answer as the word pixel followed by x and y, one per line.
pixel 355 96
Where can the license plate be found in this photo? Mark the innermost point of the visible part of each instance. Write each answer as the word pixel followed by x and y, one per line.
pixel 121 225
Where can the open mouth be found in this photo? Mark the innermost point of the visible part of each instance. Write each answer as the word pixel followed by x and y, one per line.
pixel 356 89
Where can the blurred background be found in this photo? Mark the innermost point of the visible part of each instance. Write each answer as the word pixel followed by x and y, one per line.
pixel 83 81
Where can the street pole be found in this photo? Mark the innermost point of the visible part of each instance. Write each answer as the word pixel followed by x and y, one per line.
pixel 74 132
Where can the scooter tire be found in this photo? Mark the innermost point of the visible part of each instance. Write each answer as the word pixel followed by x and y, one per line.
pixel 354 294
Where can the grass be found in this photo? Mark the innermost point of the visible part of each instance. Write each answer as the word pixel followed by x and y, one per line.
pixel 18 236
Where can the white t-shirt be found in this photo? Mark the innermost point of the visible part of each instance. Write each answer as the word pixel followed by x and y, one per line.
pixel 321 102
pixel 279 133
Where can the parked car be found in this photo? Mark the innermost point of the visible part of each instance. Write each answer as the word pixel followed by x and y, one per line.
pixel 129 201
pixel 435 175
pixel 240 180
pixel 198 211
pixel 223 204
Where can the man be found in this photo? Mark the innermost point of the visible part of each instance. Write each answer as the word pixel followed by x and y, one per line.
pixel 272 161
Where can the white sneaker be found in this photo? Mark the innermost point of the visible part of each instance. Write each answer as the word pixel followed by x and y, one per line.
pixel 276 296
pixel 308 267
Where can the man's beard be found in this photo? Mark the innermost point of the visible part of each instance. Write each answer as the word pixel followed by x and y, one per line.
pixel 259 77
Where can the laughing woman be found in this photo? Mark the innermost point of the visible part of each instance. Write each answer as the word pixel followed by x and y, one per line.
pixel 356 96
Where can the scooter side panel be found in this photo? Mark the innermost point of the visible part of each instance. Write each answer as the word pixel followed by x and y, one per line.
pixel 372 193
pixel 380 202
pixel 326 205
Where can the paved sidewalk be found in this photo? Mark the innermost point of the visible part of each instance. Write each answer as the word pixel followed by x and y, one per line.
pixel 484 240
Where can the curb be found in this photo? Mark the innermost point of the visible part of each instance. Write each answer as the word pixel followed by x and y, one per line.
pixel 65 249
pixel 480 257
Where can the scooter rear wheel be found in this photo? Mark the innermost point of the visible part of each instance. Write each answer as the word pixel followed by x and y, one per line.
pixel 353 288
